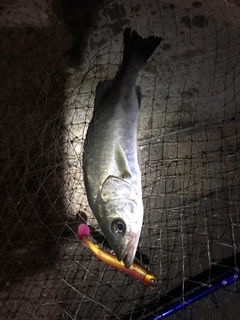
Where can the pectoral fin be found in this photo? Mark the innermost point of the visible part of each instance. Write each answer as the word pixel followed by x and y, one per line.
pixel 122 163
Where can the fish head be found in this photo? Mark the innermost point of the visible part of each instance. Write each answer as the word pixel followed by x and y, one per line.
pixel 120 216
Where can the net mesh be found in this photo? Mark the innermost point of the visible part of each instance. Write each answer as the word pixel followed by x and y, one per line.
pixel 52 56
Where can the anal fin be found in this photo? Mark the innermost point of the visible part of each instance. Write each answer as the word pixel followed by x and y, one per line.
pixel 139 95
pixel 102 89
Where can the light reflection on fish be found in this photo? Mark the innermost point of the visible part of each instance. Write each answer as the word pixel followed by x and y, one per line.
pixel 112 174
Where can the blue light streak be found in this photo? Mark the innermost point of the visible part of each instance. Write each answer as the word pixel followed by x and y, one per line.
pixel 224 281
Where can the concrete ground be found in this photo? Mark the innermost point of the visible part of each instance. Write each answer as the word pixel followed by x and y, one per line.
pixel 53 53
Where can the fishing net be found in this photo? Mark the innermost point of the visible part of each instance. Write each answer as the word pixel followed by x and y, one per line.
pixel 53 53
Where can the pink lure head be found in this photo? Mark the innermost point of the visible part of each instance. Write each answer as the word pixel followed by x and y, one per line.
pixel 83 231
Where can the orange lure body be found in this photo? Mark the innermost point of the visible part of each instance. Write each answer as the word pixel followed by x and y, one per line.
pixel 135 270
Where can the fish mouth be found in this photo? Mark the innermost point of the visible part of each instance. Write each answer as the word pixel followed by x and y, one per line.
pixel 128 254
pixel 129 258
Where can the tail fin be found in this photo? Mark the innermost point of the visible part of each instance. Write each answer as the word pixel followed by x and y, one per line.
pixel 134 45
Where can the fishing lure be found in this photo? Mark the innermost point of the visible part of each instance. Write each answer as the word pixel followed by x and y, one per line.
pixel 135 270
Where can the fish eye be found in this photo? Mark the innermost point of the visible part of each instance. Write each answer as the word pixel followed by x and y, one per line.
pixel 118 226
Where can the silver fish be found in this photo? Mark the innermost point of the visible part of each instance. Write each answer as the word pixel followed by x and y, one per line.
pixel 111 169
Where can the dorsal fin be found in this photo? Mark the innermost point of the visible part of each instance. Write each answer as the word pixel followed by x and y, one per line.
pixel 101 90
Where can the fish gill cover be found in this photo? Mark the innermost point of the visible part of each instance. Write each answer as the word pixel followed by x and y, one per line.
pixel 53 54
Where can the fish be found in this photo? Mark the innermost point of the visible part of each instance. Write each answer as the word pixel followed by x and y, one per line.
pixel 111 168
pixel 136 270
